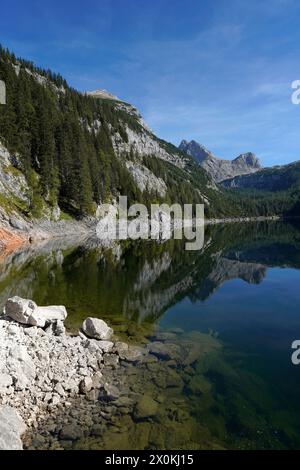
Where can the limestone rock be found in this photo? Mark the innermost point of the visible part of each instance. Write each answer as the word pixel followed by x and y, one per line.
pixel 13 183
pixel 218 168
pixel 20 310
pixel 41 370
pixel 131 354
pixel 146 407
pixel 110 392
pixel 43 315
pixel 165 351
pixel 145 179
pixel 56 328
pixel 105 346
pixel 22 367
pixel 96 328
pixel 27 312
pixel 86 385
pixel 5 382
pixel 11 428
pixel 18 224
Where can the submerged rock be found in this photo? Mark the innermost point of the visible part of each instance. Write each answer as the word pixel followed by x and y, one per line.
pixel 164 351
pixel 71 432
pixel 146 407
pixel 96 328
pixel 105 346
pixel 110 392
pixel 131 354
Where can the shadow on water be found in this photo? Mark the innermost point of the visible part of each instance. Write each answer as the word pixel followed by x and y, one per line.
pixel 220 322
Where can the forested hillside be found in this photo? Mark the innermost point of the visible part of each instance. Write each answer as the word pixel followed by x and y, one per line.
pixel 280 184
pixel 74 151
pixel 277 178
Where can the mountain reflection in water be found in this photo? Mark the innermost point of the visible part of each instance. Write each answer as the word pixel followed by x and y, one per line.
pixel 234 291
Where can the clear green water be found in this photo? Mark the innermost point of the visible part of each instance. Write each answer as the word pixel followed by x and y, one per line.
pixel 235 306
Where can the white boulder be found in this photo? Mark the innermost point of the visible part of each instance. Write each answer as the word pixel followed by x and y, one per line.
pixel 5 382
pixel 11 429
pixel 27 312
pixel 20 310
pixel 53 313
pixel 21 367
pixel 96 328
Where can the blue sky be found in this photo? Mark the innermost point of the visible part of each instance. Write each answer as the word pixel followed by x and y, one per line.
pixel 218 71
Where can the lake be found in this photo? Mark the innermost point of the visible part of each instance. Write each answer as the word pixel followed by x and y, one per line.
pixel 222 319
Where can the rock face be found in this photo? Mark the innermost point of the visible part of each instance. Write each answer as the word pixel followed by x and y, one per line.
pixel 11 429
pixel 140 140
pixel 12 181
pixel 9 241
pixel 221 169
pixel 2 92
pixel 96 328
pixel 196 150
pixel 27 312
pixel 145 179
pixel 103 94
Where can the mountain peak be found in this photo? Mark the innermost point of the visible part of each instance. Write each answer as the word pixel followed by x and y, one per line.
pixel 250 159
pixel 196 150
pixel 104 94
pixel 221 169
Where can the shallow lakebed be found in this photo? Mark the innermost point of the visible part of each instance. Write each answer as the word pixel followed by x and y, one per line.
pixel 219 324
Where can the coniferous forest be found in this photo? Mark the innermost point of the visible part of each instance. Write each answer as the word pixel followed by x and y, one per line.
pixel 70 162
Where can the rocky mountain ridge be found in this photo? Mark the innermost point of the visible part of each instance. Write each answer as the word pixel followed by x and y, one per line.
pixel 273 179
pixel 104 94
pixel 218 168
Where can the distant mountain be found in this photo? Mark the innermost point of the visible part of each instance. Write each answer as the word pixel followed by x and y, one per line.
pixel 218 168
pixel 274 179
pixel 104 94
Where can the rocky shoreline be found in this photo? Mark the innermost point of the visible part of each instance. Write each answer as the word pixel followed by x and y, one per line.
pixel 15 234
pixel 10 241
pixel 42 367
pixel 230 220
pixel 91 391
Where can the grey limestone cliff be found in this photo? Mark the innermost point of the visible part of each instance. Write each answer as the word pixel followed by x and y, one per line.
pixel 218 168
